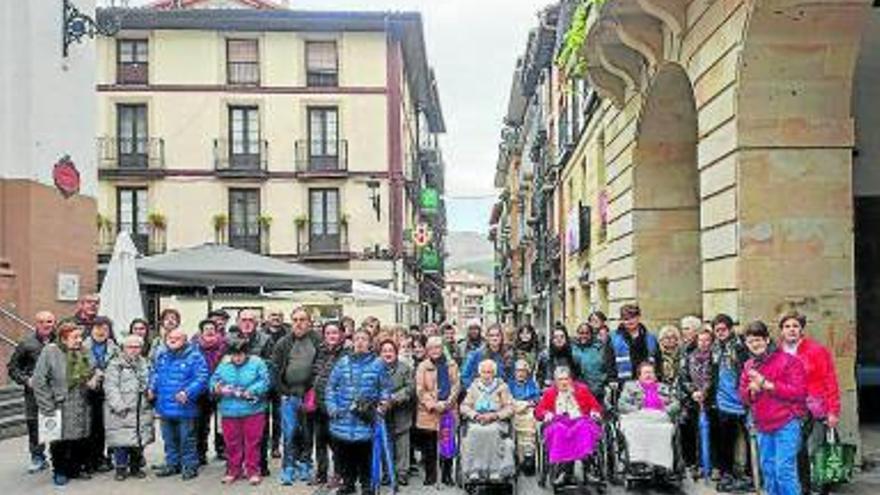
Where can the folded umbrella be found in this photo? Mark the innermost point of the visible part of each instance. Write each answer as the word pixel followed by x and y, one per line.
pixel 382 455
pixel 705 452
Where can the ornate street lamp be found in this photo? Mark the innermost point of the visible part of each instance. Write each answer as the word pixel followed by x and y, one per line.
pixel 75 25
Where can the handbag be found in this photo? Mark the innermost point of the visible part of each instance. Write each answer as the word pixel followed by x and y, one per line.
pixel 310 403
pixel 49 427
pixel 833 461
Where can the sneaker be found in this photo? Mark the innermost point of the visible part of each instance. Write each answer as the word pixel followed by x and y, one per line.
pixel 189 473
pixel 287 476
pixel 59 479
pixel 495 477
pixel 255 480
pixel 305 471
pixel 228 479
pixel 725 484
pixel 37 464
pixel 474 477
pixel 121 474
pixel 104 466
pixel 166 471
pixel 346 490
pixel 276 454
pixel 137 473
pixel 334 482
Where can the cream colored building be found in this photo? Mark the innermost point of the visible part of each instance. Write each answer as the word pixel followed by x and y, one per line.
pixel 308 136
pixel 465 297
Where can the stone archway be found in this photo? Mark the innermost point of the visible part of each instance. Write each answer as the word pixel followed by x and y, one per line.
pixel 666 201
pixel 794 158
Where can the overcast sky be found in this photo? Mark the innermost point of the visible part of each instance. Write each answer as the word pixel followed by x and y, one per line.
pixel 473 46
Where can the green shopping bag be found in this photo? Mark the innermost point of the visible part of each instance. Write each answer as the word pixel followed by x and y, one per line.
pixel 833 461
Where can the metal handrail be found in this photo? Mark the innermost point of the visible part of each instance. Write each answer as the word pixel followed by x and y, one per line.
pixel 17 319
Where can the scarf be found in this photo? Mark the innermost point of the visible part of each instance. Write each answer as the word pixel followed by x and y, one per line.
pixel 213 353
pixel 567 404
pixel 670 364
pixel 700 369
pixel 527 390
pixel 99 352
pixel 444 387
pixel 78 368
pixel 486 402
pixel 652 396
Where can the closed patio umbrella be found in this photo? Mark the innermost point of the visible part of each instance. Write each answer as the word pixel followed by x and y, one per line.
pixel 120 291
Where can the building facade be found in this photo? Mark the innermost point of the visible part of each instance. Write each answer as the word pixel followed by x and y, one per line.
pixel 47 238
pixel 307 136
pixel 466 297
pixel 723 159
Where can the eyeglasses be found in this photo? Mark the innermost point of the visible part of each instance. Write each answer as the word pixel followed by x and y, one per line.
pixel 133 346
pixel 247 319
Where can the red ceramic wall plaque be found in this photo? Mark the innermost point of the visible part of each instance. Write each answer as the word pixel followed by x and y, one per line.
pixel 66 176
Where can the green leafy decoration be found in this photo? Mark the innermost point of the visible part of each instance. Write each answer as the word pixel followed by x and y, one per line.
pixel 570 57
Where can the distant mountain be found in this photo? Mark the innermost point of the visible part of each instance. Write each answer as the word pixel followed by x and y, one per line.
pixel 471 251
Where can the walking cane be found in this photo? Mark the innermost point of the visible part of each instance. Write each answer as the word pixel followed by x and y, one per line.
pixel 753 448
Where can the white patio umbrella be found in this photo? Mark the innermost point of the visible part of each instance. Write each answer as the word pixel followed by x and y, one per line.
pixel 120 292
pixel 361 293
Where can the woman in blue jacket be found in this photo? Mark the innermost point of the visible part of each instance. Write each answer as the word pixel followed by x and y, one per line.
pixel 358 388
pixel 241 384
pixel 179 378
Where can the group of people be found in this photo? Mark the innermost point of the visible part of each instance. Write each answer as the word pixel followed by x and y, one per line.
pixel 313 395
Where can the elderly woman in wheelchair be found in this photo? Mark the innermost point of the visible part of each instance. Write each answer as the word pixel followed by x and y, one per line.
pixel 571 430
pixel 648 410
pixel 487 446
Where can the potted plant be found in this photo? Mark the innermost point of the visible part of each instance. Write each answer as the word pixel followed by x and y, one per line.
pixel 300 221
pixel 103 222
pixel 265 221
pixel 220 221
pixel 343 220
pixel 157 220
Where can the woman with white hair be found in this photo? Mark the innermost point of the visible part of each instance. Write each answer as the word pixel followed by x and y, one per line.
pixel 437 386
pixel 487 449
pixel 128 415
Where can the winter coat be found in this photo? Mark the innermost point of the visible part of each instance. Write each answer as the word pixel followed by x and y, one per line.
pixel 293 360
pixel 259 344
pixel 696 376
pixel 503 363
pixel 252 377
pixel 183 370
pixel 625 353
pixel 467 346
pixel 731 354
pixel 591 366
pixel 356 377
pixel 403 392
pixel 21 367
pixel 213 355
pixel 52 392
pixel 773 409
pixel 527 390
pixel 823 392
pixel 582 396
pixel 632 398
pixel 112 352
pixel 321 368
pixel 128 415
pixel 427 415
pixel 497 394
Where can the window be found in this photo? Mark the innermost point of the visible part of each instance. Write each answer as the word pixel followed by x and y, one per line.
pixel 323 138
pixel 132 62
pixel 131 215
pixel 242 62
pixel 244 137
pixel 322 67
pixel 131 141
pixel 244 214
pixel 324 220
pixel 584 226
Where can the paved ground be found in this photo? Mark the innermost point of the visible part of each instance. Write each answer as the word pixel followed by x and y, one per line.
pixel 13 479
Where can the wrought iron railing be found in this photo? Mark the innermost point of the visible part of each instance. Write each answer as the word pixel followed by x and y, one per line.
pixel 240 157
pixel 332 157
pixel 126 153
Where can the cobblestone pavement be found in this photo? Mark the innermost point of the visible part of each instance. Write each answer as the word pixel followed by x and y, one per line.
pixel 14 480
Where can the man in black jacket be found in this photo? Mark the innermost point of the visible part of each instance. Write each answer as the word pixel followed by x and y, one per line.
pixel 20 368
pixel 275 328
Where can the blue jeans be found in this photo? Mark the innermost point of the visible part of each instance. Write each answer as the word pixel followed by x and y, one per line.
pixel 179 435
pixel 124 457
pixel 289 414
pixel 778 452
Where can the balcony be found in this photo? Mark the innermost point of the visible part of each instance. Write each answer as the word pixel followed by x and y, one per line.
pixel 323 165
pixel 246 162
pixel 130 157
pixel 322 78
pixel 247 242
pixel 327 247
pixel 147 239
pixel 135 73
pixel 243 73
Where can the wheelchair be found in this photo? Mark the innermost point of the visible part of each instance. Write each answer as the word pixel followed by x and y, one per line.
pixel 620 470
pixel 507 485
pixel 592 475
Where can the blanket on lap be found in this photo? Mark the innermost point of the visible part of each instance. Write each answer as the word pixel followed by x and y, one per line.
pixel 648 435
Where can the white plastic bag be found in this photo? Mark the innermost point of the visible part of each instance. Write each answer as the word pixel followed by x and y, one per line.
pixel 49 426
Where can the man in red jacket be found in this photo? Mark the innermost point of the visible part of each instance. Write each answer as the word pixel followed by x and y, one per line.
pixel 823 393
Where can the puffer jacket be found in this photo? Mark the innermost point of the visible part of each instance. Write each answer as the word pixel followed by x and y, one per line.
pixel 321 368
pixel 591 366
pixel 21 367
pixel 128 415
pixel 403 391
pixel 823 392
pixel 183 370
pixel 773 409
pixel 52 392
pixel 355 377
pixel 252 377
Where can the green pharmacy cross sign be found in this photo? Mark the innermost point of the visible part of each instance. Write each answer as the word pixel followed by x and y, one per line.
pixel 429 200
pixel 430 260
